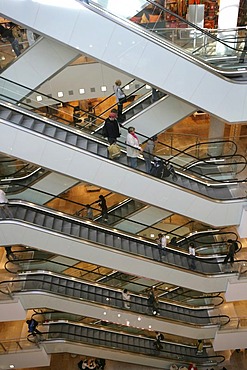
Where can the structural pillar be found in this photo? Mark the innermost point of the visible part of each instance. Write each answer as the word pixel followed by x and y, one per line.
pixel 216 133
pixel 228 18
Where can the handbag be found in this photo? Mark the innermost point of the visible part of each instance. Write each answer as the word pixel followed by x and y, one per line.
pixel 114 151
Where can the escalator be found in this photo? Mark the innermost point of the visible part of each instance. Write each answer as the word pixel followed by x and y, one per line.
pixel 117 343
pixel 41 61
pixel 209 90
pixel 72 295
pixel 138 111
pixel 225 168
pixel 49 230
pixel 22 259
pixel 31 182
pixel 224 206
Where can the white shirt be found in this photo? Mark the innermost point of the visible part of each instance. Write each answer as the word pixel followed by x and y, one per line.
pixel 162 242
pixel 118 92
pixel 126 296
pixel 134 149
pixel 192 251
pixel 3 198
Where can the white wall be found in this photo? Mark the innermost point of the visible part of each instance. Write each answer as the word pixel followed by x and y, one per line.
pixel 236 290
pixel 230 339
pixel 25 359
pixel 12 310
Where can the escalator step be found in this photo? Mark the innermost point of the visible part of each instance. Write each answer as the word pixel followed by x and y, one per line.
pixel 17 118
pixel 61 135
pixel 72 139
pixel 28 122
pixel 49 131
pixel 48 222
pixel 38 126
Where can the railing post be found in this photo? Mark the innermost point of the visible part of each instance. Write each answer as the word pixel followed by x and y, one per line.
pixel 1 344
pixel 18 345
pixel 238 323
pixel 10 292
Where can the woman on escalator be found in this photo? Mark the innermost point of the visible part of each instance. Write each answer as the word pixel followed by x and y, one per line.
pixel 121 98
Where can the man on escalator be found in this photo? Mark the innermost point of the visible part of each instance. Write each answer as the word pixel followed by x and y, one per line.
pixel 231 251
pixel 32 326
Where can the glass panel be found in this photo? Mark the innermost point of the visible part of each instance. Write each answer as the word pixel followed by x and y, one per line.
pixel 16 345
pixel 219 48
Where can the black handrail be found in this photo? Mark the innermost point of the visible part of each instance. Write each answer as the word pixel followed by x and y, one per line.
pixel 134 347
pixel 172 232
pixel 109 96
pixel 212 260
pixel 179 152
pixel 142 308
pixel 192 25
pixel 146 288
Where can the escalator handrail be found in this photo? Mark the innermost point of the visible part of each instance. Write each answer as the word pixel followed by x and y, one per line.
pixel 210 161
pixel 98 281
pixel 205 260
pixel 190 357
pixel 109 96
pixel 223 319
pixel 89 137
pixel 192 25
pixel 120 218
pixel 82 280
pixel 129 236
pixel 158 40
pixel 215 183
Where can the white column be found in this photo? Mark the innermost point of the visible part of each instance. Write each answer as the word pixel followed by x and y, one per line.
pixel 228 18
pixel 242 228
pixel 216 133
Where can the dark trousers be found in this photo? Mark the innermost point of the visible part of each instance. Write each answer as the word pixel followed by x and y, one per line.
pixel 162 252
pixel 192 263
pixel 228 257
pixel 104 214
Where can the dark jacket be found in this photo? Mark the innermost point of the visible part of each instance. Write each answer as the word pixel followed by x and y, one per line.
pixel 232 249
pixel 111 129
pixel 148 150
pixel 6 33
pixel 102 204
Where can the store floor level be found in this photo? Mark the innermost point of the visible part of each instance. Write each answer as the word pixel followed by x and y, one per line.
pixel 68 361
